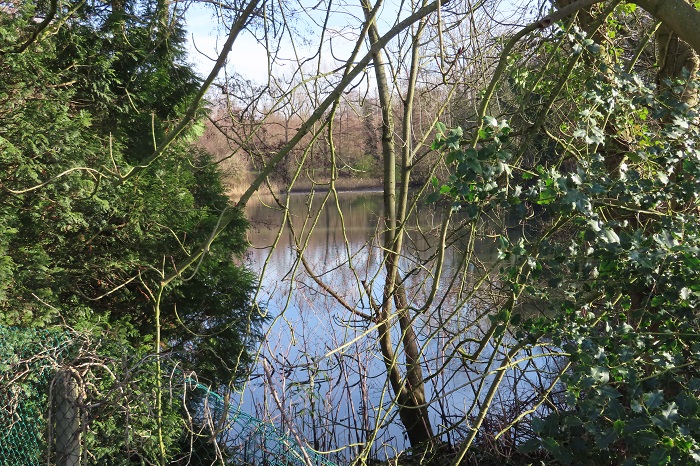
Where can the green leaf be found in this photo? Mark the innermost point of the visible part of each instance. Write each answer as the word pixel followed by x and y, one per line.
pixel 432 197
pixel 666 417
pixel 560 453
pixel 606 438
pixel 694 384
pixel 593 48
pixel 600 374
pixel 474 166
pixel 645 438
pixel 530 446
pixel 653 400
pixel 684 293
pixel 490 121
pixel 537 424
pixel 666 239
pixel 609 236
pixel 695 455
pixel 659 457
pixel 547 196
pixel 691 261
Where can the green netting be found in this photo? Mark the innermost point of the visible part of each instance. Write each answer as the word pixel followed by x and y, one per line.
pixel 250 441
pixel 29 360
pixel 24 391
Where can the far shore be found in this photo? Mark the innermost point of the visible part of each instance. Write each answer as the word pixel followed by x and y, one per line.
pixel 325 189
pixel 343 185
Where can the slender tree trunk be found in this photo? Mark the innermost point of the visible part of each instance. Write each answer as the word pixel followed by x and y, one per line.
pixel 680 16
pixel 409 390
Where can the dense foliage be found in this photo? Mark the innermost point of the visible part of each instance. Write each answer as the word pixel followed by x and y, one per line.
pixel 611 264
pixel 627 287
pixel 81 244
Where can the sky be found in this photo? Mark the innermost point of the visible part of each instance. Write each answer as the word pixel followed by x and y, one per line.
pixel 205 39
pixel 249 59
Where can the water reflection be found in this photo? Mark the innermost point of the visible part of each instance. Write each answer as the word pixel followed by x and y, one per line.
pixel 321 374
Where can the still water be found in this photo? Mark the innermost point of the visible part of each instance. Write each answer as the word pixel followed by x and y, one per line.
pixel 320 375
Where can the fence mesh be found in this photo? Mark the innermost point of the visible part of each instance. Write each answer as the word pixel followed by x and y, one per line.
pixel 69 400
pixel 27 365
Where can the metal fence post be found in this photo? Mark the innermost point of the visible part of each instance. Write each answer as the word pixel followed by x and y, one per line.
pixel 67 419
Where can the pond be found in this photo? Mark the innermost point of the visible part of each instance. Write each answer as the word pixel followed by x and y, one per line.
pixel 320 374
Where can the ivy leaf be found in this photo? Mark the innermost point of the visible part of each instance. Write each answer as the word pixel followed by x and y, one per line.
pixel 654 399
pixel 609 236
pixel 490 121
pixel 432 197
pixel 659 457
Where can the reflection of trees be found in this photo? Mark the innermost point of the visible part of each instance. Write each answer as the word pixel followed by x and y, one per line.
pixel 327 363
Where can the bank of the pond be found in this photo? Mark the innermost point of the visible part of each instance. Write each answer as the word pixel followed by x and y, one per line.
pixel 345 185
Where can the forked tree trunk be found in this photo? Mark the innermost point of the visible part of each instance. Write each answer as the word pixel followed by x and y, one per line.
pixel 409 390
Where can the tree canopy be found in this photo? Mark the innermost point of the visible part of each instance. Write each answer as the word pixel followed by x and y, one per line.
pixel 84 100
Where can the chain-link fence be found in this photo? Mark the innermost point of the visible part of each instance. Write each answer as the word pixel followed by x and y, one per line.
pixel 27 366
pixel 70 399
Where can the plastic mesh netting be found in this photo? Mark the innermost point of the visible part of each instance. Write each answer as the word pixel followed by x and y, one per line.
pixel 63 402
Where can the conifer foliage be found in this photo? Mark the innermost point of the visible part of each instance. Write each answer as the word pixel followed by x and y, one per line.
pixel 87 91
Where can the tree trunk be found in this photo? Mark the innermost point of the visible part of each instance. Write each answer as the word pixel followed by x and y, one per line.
pixel 678 16
pixel 676 60
pixel 409 390
pixel 674 55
